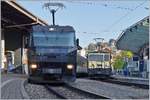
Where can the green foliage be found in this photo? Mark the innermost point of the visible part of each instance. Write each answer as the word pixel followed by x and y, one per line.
pixel 127 54
pixel 119 62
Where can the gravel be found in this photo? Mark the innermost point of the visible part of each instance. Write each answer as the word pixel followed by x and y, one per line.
pixel 70 94
pixel 39 92
pixel 113 91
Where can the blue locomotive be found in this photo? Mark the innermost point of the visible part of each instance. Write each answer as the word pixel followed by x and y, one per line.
pixel 52 52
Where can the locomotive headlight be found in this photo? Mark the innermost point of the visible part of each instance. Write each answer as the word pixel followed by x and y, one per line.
pixel 69 66
pixel 33 66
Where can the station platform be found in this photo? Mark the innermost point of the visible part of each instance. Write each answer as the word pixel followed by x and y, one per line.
pixel 137 80
pixel 109 90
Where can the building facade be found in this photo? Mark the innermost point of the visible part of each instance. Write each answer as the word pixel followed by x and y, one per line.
pixel 136 39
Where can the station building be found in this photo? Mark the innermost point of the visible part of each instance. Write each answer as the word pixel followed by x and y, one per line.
pixel 15 24
pixel 136 39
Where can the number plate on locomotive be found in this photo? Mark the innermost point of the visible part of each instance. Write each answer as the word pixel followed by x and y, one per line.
pixel 52 71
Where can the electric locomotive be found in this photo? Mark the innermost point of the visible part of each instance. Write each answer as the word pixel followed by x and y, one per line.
pixel 99 64
pixel 52 53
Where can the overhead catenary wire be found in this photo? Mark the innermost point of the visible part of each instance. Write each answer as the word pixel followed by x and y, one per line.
pixel 98 2
pixel 106 5
pixel 124 16
pixel 99 32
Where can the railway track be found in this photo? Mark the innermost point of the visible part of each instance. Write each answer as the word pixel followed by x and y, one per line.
pixel 68 92
pixel 121 82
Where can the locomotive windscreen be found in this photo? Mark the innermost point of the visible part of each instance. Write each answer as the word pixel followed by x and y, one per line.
pixel 48 42
pixel 106 57
pixel 95 57
pixel 98 60
pixel 98 57
pixel 53 39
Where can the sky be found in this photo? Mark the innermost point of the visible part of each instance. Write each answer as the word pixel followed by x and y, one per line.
pixel 92 18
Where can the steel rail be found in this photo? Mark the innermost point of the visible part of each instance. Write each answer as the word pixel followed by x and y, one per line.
pixel 121 82
pixel 77 90
pixel 143 86
pixel 87 93
pixel 55 92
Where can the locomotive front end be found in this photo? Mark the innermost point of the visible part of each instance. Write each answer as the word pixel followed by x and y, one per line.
pixel 52 53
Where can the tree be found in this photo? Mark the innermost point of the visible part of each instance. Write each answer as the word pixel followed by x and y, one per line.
pixel 119 62
pixel 127 54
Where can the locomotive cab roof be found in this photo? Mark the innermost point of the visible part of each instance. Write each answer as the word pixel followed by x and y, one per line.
pixel 52 28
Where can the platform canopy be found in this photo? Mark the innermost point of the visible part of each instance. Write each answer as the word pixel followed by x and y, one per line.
pixel 15 23
pixel 13 15
pixel 135 37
